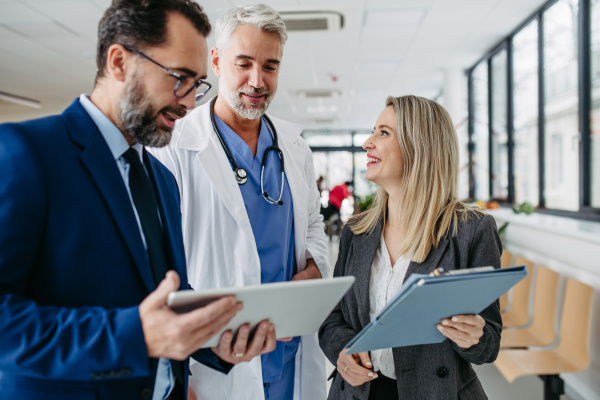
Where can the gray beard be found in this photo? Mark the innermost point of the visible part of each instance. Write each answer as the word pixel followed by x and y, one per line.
pixel 139 119
pixel 232 97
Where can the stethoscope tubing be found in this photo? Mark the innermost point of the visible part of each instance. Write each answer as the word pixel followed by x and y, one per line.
pixel 240 173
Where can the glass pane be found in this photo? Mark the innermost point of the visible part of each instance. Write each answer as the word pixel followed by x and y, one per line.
pixel 317 139
pixel 595 112
pixel 481 132
pixel 561 125
pixel 525 93
pixel 463 145
pixel 360 138
pixel 499 127
pixel 362 187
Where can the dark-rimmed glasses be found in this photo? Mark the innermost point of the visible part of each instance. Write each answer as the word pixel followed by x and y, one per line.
pixel 185 83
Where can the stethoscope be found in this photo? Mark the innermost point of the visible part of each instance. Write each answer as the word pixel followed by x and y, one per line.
pixel 241 175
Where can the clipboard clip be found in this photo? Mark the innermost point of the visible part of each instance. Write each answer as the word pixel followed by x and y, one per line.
pixel 439 271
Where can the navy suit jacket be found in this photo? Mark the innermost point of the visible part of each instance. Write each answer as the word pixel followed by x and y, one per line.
pixel 73 268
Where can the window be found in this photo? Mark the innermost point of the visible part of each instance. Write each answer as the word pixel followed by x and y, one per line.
pixel 480 136
pixel 499 131
pixel 561 96
pixel 542 85
pixel 525 92
pixel 595 111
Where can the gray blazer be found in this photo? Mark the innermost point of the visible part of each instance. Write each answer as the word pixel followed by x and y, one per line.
pixel 432 371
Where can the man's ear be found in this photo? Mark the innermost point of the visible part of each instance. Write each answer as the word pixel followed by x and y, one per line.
pixel 117 59
pixel 214 61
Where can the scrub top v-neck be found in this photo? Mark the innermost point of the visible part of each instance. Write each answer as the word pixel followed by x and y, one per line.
pixel 272 225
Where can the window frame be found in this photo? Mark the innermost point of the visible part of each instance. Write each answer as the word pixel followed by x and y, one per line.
pixel 586 211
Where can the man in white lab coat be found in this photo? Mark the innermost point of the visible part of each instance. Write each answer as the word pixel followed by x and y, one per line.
pixel 244 222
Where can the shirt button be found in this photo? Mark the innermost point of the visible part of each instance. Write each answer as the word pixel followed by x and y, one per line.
pixel 442 372
pixel 146 394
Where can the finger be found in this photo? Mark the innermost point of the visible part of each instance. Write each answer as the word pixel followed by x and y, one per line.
pixel 286 339
pixel 224 348
pixel 454 334
pixel 158 298
pixel 204 316
pixel 271 341
pixel 470 329
pixel 355 367
pixel 242 339
pixel 258 341
pixel 191 394
pixel 467 319
pixel 360 377
pixel 201 335
pixel 365 360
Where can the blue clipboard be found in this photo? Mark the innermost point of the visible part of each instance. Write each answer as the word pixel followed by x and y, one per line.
pixel 410 318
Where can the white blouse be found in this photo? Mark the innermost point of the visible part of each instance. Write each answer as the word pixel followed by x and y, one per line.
pixel 384 283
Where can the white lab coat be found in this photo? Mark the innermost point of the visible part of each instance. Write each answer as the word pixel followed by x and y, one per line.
pixel 220 246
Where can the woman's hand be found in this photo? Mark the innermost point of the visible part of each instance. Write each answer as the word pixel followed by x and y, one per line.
pixel 191 394
pixel 464 330
pixel 350 369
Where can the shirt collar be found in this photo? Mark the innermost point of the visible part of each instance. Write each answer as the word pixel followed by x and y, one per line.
pixel 112 135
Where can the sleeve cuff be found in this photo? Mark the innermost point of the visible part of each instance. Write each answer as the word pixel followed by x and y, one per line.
pixel 210 359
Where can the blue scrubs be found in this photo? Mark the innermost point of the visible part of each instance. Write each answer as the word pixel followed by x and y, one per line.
pixel 273 228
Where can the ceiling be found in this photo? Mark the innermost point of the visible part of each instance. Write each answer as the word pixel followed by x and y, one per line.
pixel 386 47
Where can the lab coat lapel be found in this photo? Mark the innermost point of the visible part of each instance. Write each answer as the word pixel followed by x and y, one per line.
pixel 294 158
pixel 197 134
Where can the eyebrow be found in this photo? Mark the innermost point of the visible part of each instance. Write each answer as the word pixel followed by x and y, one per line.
pixel 190 72
pixel 385 126
pixel 245 57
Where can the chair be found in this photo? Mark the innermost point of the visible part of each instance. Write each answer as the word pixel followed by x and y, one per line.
pixel 505 262
pixel 571 355
pixel 541 332
pixel 518 314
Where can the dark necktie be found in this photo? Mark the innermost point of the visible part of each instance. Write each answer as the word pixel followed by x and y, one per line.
pixel 144 198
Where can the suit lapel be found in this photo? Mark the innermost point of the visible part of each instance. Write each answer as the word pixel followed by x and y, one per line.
pixel 364 248
pixel 430 263
pixel 100 164
pixel 168 212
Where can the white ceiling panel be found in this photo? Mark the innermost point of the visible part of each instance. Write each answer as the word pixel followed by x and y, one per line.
pixel 17 12
pixel 41 29
pixel 386 47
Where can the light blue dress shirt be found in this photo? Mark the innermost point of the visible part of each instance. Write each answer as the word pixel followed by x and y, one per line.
pixel 272 226
pixel 165 380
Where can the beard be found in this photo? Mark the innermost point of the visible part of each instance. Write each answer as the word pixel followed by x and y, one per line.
pixel 233 98
pixel 139 118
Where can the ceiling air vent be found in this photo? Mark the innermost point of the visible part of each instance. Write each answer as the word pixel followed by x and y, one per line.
pixel 314 93
pixel 304 21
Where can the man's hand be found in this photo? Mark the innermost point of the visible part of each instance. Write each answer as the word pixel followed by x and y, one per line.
pixel 234 353
pixel 176 336
pixel 464 330
pixel 310 272
pixel 352 368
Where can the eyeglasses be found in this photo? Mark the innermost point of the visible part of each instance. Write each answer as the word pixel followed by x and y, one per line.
pixel 185 83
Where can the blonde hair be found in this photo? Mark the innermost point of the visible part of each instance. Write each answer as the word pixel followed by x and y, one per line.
pixel 430 203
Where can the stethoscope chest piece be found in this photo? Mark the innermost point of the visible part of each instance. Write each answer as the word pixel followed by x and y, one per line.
pixel 241 176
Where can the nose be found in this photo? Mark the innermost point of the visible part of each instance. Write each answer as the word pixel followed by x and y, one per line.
pixel 256 78
pixel 188 101
pixel 368 144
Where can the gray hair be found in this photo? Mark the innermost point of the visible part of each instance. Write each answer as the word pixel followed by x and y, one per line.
pixel 260 16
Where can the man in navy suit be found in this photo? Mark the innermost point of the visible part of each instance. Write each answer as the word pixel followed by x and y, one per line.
pixel 90 225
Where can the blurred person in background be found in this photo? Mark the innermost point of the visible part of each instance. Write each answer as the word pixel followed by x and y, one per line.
pixel 415 225
pixel 336 196
pixel 242 226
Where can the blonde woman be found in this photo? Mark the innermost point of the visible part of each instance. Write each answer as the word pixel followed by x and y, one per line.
pixel 416 224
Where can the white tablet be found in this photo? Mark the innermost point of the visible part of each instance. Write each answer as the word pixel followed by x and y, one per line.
pixel 295 308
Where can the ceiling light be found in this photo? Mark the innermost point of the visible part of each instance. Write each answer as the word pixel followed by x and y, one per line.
pixel 24 101
pixel 312 93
